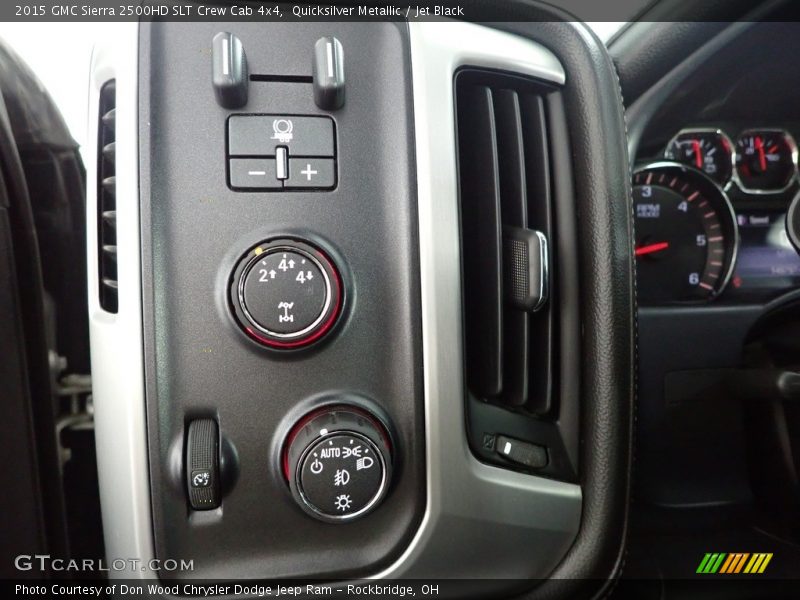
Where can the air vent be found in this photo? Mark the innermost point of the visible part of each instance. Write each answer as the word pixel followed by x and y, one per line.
pixel 506 222
pixel 107 199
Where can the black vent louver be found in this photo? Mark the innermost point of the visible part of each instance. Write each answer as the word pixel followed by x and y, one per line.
pixel 107 199
pixel 506 221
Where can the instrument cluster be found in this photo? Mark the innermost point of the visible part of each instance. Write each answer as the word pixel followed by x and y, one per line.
pixel 712 217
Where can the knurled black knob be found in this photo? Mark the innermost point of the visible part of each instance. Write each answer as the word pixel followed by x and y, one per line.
pixel 202 464
pixel 337 461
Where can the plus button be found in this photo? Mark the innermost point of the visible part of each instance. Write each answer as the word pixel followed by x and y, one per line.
pixel 308 172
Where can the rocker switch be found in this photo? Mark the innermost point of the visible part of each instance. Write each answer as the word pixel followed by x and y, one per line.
pixel 282 163
pixel 229 73
pixel 328 73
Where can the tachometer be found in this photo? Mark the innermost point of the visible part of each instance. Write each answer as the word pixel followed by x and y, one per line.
pixel 686 235
pixel 708 150
pixel 766 160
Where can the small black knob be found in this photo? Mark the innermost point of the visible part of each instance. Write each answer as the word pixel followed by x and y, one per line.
pixel 229 74
pixel 286 293
pixel 338 463
pixel 327 69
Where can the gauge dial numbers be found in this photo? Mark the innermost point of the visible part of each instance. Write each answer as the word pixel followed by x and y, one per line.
pixel 766 161
pixel 686 235
pixel 708 150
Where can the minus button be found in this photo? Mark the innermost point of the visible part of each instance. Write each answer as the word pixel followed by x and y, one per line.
pixel 254 173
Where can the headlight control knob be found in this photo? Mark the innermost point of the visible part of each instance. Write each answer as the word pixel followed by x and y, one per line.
pixel 337 461
pixel 286 293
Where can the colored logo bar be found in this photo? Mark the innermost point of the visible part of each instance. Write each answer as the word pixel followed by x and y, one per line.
pixel 734 562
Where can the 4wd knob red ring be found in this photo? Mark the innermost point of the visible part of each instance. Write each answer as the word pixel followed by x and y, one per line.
pixel 285 294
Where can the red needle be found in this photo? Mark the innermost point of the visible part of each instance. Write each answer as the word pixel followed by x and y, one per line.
pixel 650 248
pixel 762 157
pixel 698 158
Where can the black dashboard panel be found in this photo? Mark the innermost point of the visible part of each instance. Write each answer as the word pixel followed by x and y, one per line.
pixel 692 442
pixel 201 365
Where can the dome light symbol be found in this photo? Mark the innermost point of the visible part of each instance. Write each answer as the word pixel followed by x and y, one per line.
pixel 343 502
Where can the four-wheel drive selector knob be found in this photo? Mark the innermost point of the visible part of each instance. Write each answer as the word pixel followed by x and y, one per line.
pixel 337 461
pixel 285 293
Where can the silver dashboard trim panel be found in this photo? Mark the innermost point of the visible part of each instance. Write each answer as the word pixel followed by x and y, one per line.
pixel 116 339
pixel 525 523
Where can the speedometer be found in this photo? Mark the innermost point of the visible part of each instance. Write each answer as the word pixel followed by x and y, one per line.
pixel 686 234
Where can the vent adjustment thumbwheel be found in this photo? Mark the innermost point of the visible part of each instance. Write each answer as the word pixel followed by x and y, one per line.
pixel 337 461
pixel 286 294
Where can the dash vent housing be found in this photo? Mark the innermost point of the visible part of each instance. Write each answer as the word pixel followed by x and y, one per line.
pixel 506 222
pixel 107 199
pixel 509 141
